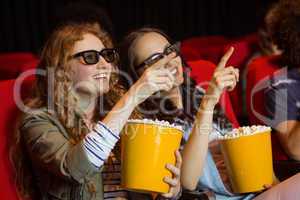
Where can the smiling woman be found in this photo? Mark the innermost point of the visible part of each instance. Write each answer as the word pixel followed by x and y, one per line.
pixel 64 127
pixel 185 104
pixel 95 65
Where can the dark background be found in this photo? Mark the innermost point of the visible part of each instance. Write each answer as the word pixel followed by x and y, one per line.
pixel 25 24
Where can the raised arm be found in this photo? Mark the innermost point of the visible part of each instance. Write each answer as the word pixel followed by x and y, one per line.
pixel 195 150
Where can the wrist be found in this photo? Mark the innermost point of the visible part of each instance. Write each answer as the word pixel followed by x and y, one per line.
pixel 179 194
pixel 208 103
pixel 176 197
pixel 213 93
pixel 133 96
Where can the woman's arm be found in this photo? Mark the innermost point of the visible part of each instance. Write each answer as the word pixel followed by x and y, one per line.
pixel 195 150
pixel 99 143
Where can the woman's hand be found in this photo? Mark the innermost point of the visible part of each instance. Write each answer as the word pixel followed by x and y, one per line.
pixel 155 78
pixel 175 186
pixel 224 78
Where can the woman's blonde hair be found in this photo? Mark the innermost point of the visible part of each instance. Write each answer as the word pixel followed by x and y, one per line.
pixel 54 59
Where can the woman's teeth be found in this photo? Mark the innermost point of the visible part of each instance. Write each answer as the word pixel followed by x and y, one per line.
pixel 97 76
pixel 174 71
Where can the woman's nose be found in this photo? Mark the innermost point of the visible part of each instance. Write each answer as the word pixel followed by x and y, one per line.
pixel 103 63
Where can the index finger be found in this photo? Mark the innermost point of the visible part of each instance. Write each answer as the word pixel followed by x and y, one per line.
pixel 225 58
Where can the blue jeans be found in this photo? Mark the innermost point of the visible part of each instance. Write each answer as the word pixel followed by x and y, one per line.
pixel 211 180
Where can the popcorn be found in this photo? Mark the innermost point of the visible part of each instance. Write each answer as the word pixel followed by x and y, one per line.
pixel 244 131
pixel 155 122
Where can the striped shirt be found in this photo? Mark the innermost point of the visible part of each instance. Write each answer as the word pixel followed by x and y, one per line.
pixel 98 145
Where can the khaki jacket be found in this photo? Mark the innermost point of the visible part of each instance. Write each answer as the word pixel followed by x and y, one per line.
pixel 61 169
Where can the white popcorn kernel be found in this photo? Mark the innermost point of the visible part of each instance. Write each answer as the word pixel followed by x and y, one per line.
pixel 155 122
pixel 244 131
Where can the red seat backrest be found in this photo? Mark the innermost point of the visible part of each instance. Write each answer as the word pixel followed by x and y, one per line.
pixel 12 64
pixel 212 48
pixel 32 64
pixel 259 72
pixel 8 116
pixel 206 48
pixel 244 49
pixel 201 72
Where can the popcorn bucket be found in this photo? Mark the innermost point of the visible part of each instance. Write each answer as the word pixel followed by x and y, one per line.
pixel 248 160
pixel 145 150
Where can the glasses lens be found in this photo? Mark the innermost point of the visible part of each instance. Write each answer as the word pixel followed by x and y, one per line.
pixel 109 55
pixel 91 57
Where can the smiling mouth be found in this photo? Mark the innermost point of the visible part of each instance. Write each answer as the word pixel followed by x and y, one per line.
pixel 174 71
pixel 100 76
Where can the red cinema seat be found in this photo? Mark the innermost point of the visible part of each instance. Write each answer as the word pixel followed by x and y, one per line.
pixel 201 72
pixel 206 48
pixel 259 72
pixel 12 64
pixel 244 48
pixel 8 115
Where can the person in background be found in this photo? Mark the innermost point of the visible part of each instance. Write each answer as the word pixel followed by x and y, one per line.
pixel 283 96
